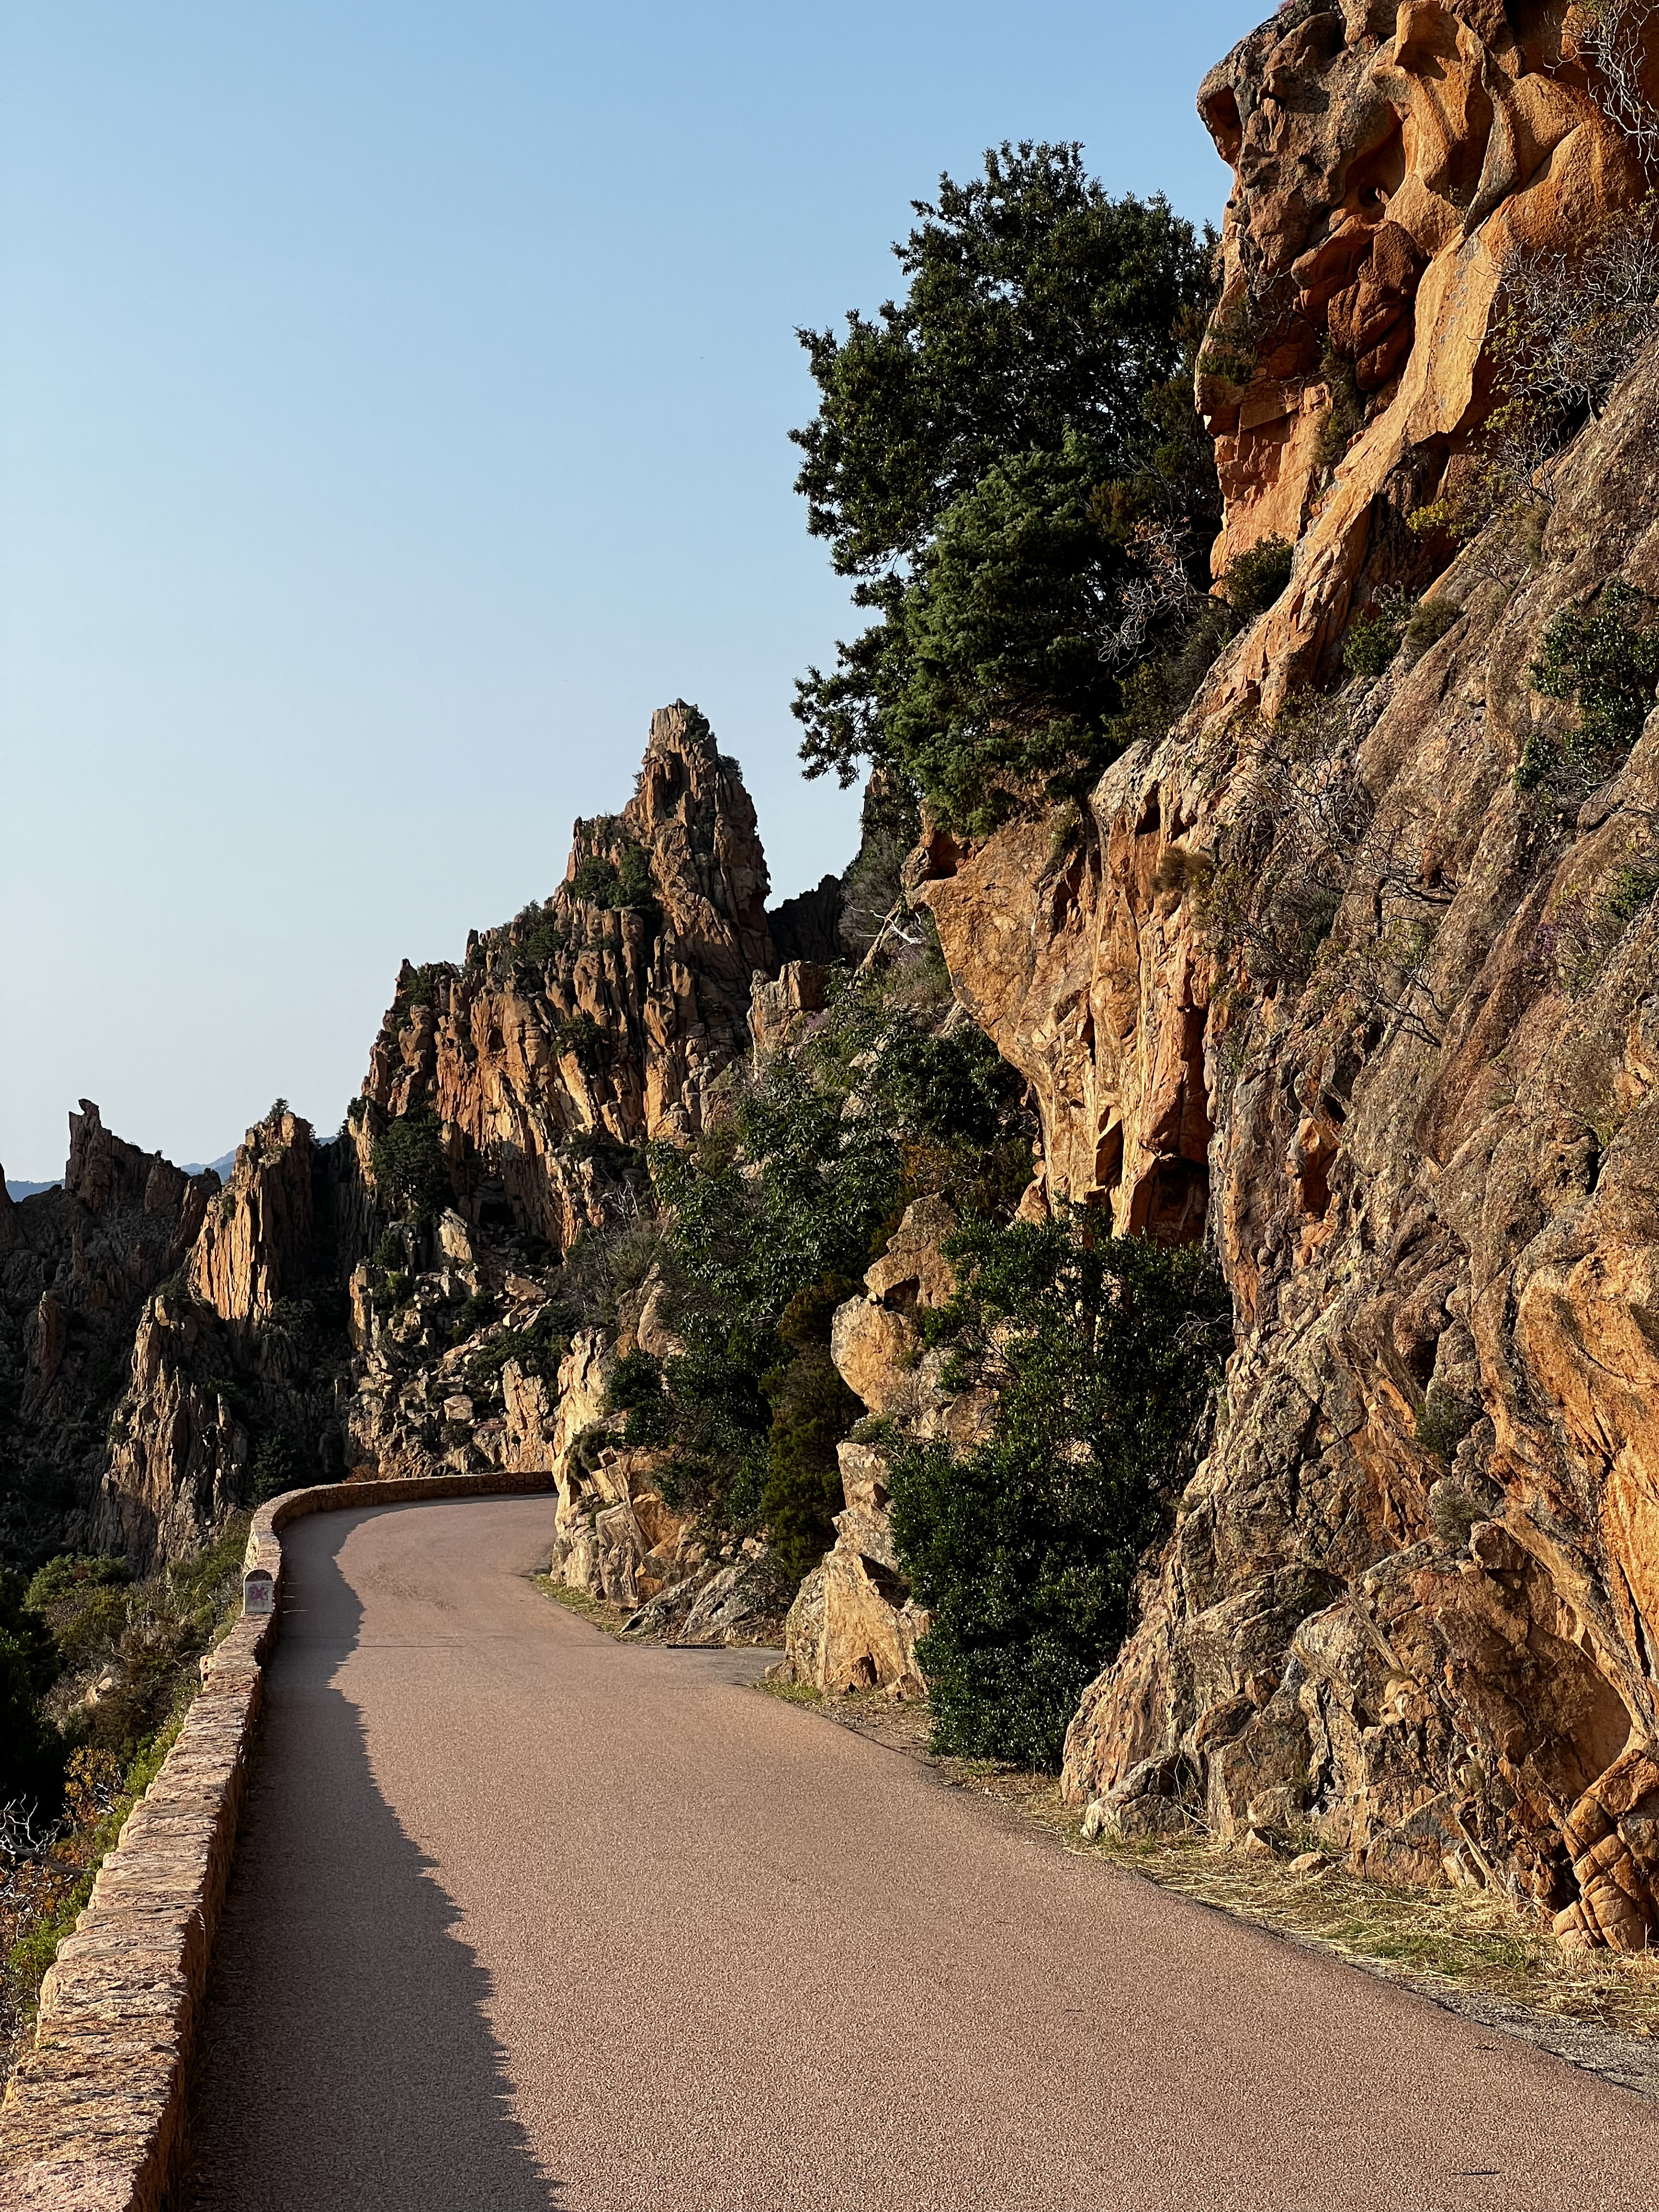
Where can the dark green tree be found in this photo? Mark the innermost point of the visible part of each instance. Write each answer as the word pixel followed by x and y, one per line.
pixel 1047 331
pixel 1103 1351
pixel 31 1751
pixel 411 1175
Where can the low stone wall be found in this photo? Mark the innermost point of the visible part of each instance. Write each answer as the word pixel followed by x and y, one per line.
pixel 93 2115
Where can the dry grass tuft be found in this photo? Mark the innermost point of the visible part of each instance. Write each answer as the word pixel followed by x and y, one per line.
pixel 598 1610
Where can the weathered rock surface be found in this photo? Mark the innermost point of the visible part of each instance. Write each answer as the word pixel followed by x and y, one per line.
pixel 1387 160
pixel 853 1625
pixel 239 1349
pixel 1409 1601
pixel 76 1265
pixel 584 1028
pixel 168 1349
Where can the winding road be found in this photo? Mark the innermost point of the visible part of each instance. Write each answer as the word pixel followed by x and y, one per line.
pixel 524 1918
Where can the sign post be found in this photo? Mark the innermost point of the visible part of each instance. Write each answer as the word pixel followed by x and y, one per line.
pixel 258 1593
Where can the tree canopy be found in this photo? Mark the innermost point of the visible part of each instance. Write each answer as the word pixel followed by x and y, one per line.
pixel 985 454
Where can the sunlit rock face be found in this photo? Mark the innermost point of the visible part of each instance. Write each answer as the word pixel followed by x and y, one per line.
pixel 1430 1641
pixel 1388 161
pixel 596 1025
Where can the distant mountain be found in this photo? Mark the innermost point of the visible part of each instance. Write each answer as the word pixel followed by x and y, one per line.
pixel 221 1166
pixel 30 1189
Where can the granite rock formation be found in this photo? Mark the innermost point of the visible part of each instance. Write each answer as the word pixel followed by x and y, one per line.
pixel 853 1625
pixel 1388 161
pixel 76 1265
pixel 244 1349
pixel 602 1020
pixel 1408 1603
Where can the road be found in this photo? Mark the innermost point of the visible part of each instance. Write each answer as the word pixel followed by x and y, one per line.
pixel 525 1918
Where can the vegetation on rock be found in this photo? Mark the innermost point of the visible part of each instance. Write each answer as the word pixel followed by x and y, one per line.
pixel 411 1176
pixel 1103 1352
pixel 768 1223
pixel 985 455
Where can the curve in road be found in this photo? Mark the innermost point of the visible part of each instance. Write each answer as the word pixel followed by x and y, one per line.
pixel 524 1918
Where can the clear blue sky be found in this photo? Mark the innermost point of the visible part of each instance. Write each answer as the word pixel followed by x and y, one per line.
pixel 392 409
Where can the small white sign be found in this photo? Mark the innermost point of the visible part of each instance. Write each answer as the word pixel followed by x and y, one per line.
pixel 258 1592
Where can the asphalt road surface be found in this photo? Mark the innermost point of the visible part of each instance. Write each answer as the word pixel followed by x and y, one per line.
pixel 524 1918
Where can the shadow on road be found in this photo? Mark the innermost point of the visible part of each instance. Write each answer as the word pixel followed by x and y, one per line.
pixel 348 2060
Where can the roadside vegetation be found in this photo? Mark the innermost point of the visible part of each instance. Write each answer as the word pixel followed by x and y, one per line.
pixel 767 1225
pixel 97 1671
pixel 1103 1352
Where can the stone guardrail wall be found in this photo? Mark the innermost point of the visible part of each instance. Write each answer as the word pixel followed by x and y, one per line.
pixel 93 2116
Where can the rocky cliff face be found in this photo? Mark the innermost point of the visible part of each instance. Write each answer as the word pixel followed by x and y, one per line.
pixel 1388 161
pixel 1339 990
pixel 604 1019
pixel 238 1363
pixel 75 1265
pixel 171 1350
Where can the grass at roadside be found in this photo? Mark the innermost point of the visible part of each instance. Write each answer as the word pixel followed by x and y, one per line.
pixel 129 1654
pixel 1471 1942
pixel 598 1610
pixel 1457 1942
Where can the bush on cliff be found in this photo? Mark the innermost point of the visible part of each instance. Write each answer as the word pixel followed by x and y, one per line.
pixel 769 1222
pixel 985 456
pixel 31 1750
pixel 616 884
pixel 1600 657
pixel 411 1175
pixel 1103 1351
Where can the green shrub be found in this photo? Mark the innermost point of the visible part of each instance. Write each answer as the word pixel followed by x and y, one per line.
pixel 279 1465
pixel 581 1035
pixel 634 887
pixel 421 990
pixel 31 1751
pixel 1601 659
pixel 596 880
pixel 1633 886
pixel 1345 418
pixel 1104 1351
pixel 1372 643
pixel 476 1311
pixel 770 1221
pixel 812 1411
pixel 538 1351
pixel 1426 624
pixel 1230 349
pixel 615 885
pixel 542 938
pixel 636 1388
pixel 1444 1421
pixel 411 1175
pixel 1254 579
pixel 83 1601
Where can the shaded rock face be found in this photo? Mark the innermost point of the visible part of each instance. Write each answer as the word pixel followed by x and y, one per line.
pixel 76 1265
pixel 853 1625
pixel 1411 1600
pixel 588 1027
pixel 242 1349
pixel 1388 161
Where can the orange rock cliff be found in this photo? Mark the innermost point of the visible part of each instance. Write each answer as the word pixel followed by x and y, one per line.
pixel 1410 1603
